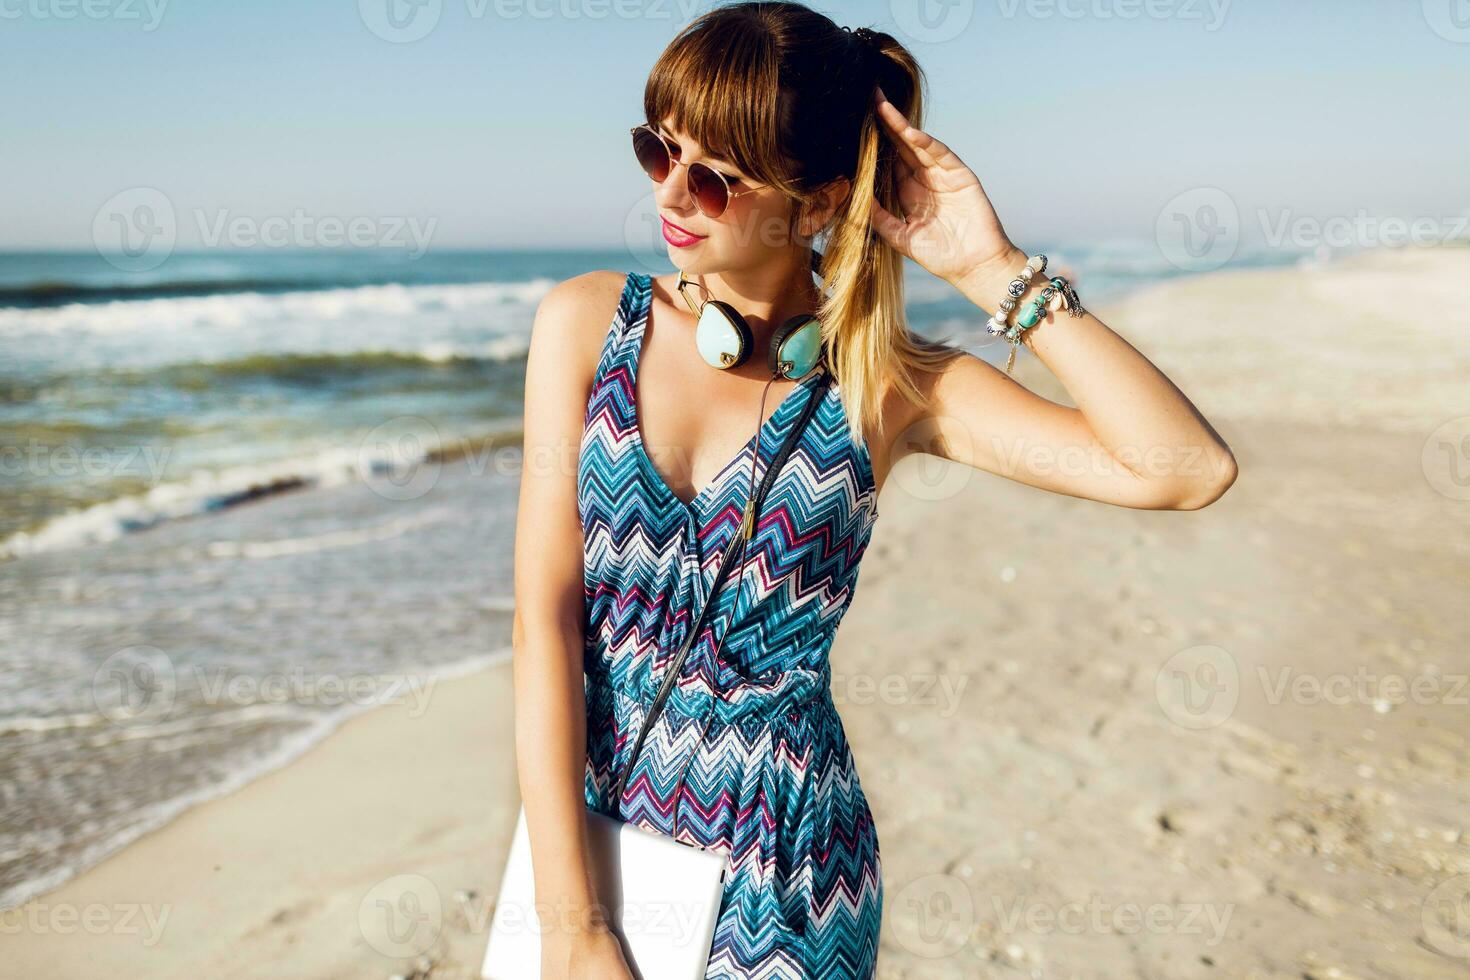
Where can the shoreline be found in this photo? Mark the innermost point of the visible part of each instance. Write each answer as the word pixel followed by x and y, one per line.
pixel 1303 832
pixel 248 876
pixel 287 755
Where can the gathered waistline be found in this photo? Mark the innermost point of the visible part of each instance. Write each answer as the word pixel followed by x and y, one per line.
pixel 791 695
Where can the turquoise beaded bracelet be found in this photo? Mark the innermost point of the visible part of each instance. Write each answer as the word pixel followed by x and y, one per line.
pixel 1033 311
pixel 1031 314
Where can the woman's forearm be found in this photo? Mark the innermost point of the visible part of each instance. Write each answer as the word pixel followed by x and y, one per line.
pixel 551 741
pixel 1136 413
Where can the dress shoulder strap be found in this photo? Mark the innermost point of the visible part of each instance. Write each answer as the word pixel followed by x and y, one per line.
pixel 618 359
pixel 631 303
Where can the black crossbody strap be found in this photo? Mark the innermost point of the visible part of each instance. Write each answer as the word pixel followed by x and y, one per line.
pixel 732 552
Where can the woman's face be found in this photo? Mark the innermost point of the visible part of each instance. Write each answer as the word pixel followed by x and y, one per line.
pixel 751 232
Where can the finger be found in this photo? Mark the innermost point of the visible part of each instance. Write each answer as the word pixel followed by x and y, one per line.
pixel 914 142
pixel 892 229
pixel 915 181
pixel 907 139
pixel 931 151
pixel 893 124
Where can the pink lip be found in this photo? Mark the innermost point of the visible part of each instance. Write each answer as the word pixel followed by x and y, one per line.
pixel 679 237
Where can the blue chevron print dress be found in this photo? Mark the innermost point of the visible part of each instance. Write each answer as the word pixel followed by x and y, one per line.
pixel 749 754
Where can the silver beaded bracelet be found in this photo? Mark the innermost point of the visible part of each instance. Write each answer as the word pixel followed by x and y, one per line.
pixel 1033 312
pixel 1035 266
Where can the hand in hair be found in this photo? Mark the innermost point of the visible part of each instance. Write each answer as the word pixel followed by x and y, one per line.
pixel 950 227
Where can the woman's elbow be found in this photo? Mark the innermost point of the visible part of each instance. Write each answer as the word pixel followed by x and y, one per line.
pixel 1218 478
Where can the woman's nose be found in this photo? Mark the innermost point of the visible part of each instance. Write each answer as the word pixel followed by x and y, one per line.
pixel 673 193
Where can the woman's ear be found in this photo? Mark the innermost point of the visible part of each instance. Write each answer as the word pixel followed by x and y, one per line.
pixel 825 202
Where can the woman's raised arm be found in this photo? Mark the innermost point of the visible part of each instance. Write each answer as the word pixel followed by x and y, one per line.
pixel 1133 438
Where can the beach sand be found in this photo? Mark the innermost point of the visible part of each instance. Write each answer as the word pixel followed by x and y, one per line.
pixel 1098 742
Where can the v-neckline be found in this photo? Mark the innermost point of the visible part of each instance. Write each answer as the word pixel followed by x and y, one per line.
pixel 693 505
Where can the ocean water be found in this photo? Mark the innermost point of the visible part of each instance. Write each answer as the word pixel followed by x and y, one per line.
pixel 245 496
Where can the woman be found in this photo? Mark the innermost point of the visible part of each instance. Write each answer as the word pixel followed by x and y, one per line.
pixel 777 125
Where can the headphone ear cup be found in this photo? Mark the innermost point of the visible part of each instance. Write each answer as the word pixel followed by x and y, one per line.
pixel 722 335
pixel 796 346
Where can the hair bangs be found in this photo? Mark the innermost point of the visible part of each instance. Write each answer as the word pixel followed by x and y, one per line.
pixel 722 88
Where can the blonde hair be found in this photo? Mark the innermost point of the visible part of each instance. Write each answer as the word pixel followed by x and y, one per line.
pixel 786 95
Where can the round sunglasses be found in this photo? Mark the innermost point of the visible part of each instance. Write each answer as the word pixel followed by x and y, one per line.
pixel 709 188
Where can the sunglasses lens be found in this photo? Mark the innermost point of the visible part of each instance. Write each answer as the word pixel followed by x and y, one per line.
pixel 708 190
pixel 652 155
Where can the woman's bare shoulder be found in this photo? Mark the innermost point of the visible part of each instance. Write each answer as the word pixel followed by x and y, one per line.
pixel 575 315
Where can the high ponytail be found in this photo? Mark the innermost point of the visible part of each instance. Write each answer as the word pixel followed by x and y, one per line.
pixel 863 314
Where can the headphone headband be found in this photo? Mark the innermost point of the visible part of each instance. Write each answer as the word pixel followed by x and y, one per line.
pixel 816 262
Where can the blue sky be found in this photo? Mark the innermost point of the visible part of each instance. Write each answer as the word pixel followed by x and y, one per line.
pixel 1082 117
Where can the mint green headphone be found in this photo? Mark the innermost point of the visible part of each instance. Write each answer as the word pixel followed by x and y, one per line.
pixel 725 340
